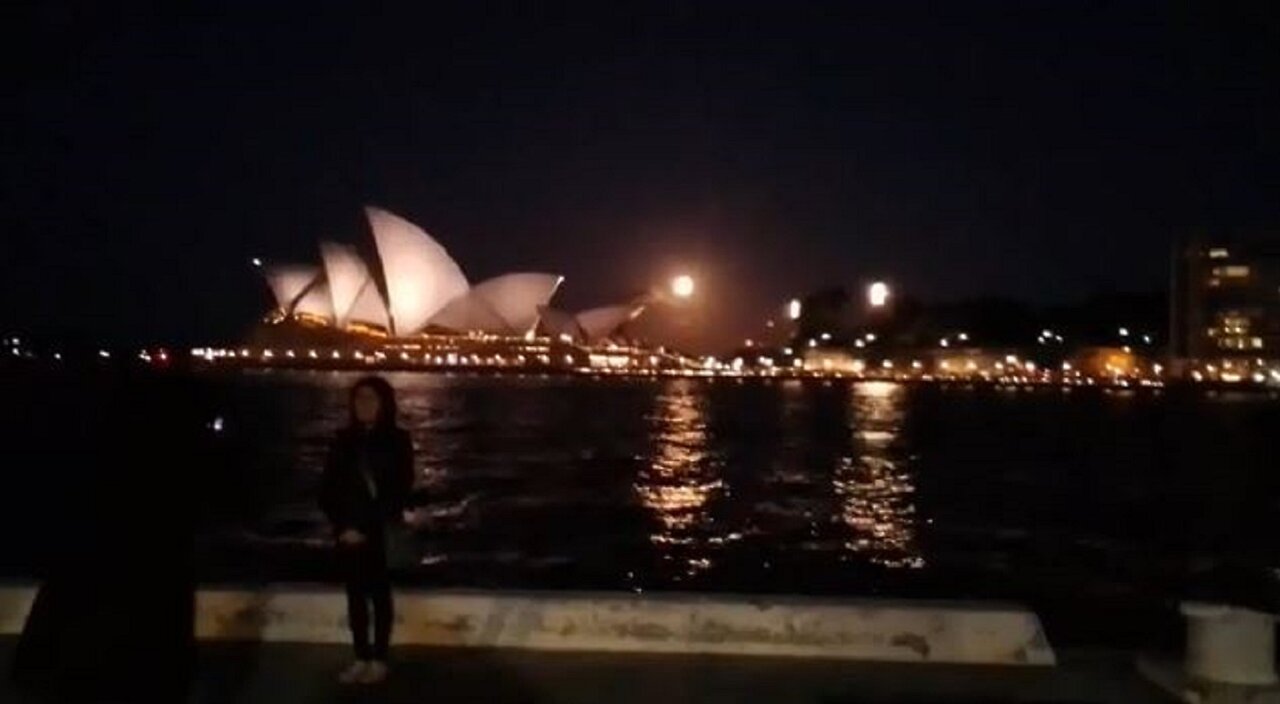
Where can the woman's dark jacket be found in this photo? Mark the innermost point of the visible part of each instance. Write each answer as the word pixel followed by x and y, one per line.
pixel 386 453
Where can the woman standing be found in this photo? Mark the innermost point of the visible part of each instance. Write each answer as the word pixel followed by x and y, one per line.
pixel 365 493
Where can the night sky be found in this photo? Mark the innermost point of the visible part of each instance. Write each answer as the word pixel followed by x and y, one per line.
pixel 1040 150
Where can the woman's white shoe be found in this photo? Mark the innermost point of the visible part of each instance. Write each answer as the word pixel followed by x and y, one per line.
pixel 374 673
pixel 355 673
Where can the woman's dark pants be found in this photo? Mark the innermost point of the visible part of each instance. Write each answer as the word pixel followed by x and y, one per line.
pixel 368 584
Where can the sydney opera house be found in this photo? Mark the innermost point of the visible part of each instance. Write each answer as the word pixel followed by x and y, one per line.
pixel 415 296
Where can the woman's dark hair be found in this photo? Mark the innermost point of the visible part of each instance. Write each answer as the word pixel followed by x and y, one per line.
pixel 387 412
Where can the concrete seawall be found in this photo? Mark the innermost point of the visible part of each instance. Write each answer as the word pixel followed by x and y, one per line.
pixel 901 631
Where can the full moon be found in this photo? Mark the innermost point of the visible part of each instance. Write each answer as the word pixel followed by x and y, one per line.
pixel 682 286
pixel 878 294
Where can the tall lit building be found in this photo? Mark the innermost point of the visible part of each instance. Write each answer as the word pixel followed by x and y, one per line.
pixel 1225 301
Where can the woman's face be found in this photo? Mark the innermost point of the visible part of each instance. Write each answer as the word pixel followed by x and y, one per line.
pixel 365 403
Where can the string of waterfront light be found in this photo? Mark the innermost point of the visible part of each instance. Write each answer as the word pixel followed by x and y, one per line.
pixel 973 365
pixel 547 356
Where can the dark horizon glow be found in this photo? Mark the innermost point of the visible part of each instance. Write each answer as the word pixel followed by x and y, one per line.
pixel 1040 153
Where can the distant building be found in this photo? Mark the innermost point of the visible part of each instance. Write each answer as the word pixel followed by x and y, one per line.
pixel 1105 362
pixel 830 359
pixel 977 361
pixel 1225 301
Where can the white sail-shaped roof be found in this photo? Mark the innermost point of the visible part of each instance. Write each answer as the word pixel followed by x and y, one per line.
pixel 316 302
pixel 347 276
pixel 517 297
pixel 505 304
pixel 470 312
pixel 557 323
pixel 369 307
pixel 599 323
pixel 592 325
pixel 287 282
pixel 420 275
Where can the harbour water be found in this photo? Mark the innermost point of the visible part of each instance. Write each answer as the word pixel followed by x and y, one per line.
pixel 1052 496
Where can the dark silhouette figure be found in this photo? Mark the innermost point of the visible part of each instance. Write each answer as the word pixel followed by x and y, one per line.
pixel 365 493
pixel 113 619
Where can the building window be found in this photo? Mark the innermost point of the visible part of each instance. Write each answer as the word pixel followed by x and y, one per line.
pixel 1231 324
pixel 1240 343
pixel 1218 253
pixel 1235 325
pixel 1232 272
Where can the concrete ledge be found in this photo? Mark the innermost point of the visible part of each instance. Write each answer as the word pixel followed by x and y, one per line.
pixel 1170 675
pixel 15 604
pixel 934 632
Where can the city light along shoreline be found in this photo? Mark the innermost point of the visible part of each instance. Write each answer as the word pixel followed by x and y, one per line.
pixel 543 356
pixel 498 356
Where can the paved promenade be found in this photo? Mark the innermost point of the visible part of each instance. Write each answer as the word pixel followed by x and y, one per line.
pixel 281 673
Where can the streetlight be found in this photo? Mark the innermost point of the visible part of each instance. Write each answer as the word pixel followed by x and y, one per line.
pixel 793 309
pixel 256 262
pixel 682 286
pixel 878 294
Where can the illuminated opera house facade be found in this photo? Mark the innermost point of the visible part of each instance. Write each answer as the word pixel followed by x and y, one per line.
pixel 417 306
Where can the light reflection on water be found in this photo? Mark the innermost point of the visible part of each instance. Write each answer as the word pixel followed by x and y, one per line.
pixel 756 486
pixel 761 486
pixel 876 483
pixel 681 478
pixel 491 444
pixel 871 476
